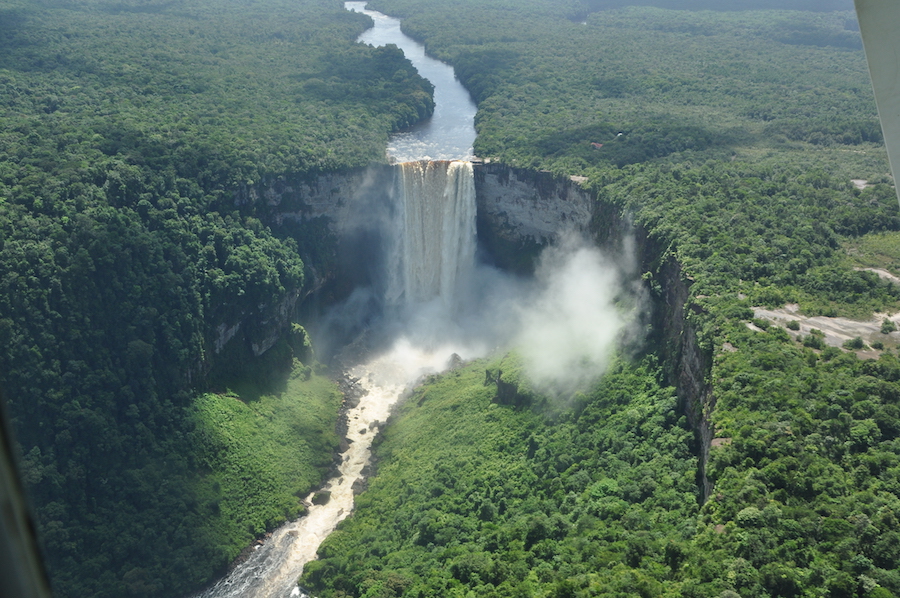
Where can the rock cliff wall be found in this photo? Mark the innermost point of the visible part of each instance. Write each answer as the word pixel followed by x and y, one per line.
pixel 521 204
pixel 520 211
pixel 331 195
pixel 687 364
pixel 329 216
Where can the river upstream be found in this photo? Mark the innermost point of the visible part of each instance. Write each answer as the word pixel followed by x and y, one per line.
pixel 272 570
pixel 450 132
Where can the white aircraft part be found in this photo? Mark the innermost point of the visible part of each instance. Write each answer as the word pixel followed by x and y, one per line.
pixel 879 22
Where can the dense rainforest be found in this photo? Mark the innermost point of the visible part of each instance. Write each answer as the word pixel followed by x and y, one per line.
pixel 126 131
pixel 155 448
pixel 731 139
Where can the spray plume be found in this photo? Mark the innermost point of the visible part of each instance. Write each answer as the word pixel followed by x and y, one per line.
pixel 565 321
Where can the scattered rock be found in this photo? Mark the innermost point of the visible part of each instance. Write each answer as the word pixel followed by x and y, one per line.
pixel 360 485
pixel 352 390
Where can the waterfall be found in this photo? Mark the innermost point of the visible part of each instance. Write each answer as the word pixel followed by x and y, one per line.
pixel 432 250
pixel 428 244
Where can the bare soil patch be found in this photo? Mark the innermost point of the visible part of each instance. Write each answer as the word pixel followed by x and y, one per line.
pixel 882 273
pixel 836 330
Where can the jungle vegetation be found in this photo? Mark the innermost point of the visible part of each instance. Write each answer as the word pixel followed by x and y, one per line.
pixel 730 138
pixel 127 131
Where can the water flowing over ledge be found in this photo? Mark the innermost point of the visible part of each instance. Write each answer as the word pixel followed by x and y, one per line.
pixel 432 256
pixel 434 233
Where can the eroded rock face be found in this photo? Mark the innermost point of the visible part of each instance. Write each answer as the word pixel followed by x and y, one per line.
pixel 271 323
pixel 519 204
pixel 520 211
pixel 324 214
pixel 334 196
pixel 687 362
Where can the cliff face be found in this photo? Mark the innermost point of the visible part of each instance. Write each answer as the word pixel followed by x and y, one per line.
pixel 519 204
pixel 333 196
pixel 329 216
pixel 687 364
pixel 520 211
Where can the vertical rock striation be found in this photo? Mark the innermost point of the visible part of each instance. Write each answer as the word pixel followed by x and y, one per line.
pixel 433 237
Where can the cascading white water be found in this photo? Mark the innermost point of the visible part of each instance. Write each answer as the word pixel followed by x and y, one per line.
pixel 433 250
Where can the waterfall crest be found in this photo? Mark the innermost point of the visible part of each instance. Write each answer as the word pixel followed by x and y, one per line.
pixel 433 237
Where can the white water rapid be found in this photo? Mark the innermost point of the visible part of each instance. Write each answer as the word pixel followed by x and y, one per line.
pixel 273 569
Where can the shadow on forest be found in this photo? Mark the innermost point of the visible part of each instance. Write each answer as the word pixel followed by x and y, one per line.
pixel 237 370
pixel 638 142
pixel 12 33
pixel 148 7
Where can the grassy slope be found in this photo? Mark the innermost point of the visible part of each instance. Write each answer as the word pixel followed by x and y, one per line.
pixel 262 457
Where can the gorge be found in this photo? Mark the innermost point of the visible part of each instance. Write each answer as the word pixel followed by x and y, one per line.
pixel 517 212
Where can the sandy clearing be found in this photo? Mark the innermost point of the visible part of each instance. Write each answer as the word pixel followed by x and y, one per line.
pixel 837 330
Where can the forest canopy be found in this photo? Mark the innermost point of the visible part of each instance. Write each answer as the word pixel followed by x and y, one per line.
pixel 730 138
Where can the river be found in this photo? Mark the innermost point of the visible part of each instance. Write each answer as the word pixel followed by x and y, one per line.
pixel 450 132
pixel 273 568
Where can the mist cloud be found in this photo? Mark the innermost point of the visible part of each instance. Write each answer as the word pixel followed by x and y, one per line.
pixel 571 321
pixel 567 321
